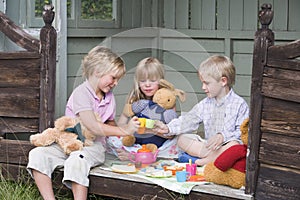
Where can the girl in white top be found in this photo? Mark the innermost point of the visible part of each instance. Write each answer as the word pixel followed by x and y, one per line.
pixel 148 73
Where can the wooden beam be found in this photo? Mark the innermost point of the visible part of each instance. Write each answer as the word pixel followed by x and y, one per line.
pixel 18 35
pixel 285 51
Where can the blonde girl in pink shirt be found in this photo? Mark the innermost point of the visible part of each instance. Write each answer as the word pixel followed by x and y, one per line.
pixel 102 69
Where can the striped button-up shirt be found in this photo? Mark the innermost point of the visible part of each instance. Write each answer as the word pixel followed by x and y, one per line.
pixel 224 117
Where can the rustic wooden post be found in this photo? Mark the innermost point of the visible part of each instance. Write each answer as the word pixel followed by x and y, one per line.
pixel 264 38
pixel 48 37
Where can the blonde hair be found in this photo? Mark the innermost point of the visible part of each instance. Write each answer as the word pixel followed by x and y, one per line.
pixel 102 60
pixel 148 68
pixel 217 67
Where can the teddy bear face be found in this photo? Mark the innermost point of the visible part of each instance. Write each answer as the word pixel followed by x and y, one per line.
pixel 165 98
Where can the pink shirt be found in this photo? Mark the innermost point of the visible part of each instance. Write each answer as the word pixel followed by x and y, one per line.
pixel 84 98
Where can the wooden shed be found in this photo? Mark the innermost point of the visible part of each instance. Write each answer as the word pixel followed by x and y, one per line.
pixel 273 163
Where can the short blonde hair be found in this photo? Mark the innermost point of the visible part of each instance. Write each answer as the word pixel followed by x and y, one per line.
pixel 217 67
pixel 148 68
pixel 102 60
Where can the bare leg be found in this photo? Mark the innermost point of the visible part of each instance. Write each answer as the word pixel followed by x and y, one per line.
pixel 192 146
pixel 79 191
pixel 44 184
pixel 213 155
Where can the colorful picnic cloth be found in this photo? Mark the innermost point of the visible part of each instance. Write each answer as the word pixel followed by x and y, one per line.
pixel 169 183
pixel 172 184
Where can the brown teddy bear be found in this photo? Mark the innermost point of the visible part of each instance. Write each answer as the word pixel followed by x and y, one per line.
pixel 68 133
pixel 230 167
pixel 160 108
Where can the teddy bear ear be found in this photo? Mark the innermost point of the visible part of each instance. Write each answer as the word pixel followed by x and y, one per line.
pixel 180 94
pixel 245 131
pixel 166 84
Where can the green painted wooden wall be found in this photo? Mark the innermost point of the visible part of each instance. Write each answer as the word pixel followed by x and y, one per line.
pixel 184 33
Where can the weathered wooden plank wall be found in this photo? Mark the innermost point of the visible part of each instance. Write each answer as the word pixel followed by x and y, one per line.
pixel 27 79
pixel 279 175
pixel 273 164
pixel 20 92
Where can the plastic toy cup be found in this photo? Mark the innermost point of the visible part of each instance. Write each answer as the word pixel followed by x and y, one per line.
pixel 142 127
pixel 142 121
pixel 141 130
pixel 191 168
pixel 182 176
pixel 150 123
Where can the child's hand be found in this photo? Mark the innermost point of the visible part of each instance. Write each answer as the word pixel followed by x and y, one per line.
pixel 165 136
pixel 214 142
pixel 123 155
pixel 131 127
pixel 160 128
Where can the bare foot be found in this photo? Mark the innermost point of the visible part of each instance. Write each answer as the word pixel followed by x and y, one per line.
pixel 210 158
pixel 123 155
pixel 201 162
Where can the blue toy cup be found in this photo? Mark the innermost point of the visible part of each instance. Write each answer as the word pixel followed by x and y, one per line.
pixel 182 176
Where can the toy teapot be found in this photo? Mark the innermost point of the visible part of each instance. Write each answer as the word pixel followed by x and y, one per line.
pixel 143 155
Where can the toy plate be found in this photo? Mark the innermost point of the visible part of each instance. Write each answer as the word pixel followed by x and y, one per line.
pixel 125 169
pixel 159 174
pixel 173 169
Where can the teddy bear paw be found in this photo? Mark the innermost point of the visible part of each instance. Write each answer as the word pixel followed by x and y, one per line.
pixel 34 139
pixel 88 142
pixel 74 146
pixel 39 140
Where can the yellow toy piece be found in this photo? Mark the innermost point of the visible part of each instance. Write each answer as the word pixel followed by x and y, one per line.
pixel 142 122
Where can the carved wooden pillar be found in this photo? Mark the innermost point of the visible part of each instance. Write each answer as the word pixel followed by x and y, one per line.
pixel 48 37
pixel 264 38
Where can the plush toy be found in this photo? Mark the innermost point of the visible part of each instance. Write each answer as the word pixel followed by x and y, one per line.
pixel 160 108
pixel 230 167
pixel 68 133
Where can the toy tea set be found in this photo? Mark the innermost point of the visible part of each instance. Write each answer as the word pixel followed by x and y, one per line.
pixel 143 156
pixel 148 153
pixel 145 160
pixel 145 123
pixel 166 169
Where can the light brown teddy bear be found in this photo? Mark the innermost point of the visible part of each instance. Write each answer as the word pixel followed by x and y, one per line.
pixel 163 102
pixel 68 133
pixel 230 167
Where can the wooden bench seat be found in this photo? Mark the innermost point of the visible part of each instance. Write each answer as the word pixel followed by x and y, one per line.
pixel 108 183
